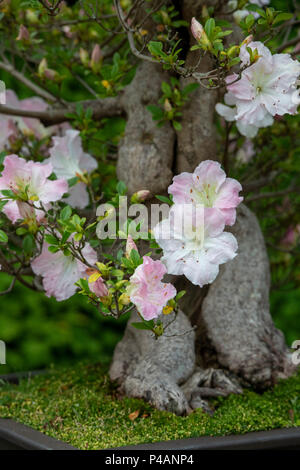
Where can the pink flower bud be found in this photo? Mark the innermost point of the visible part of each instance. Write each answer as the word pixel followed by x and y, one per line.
pixel 99 288
pixel 248 39
pixel 140 196
pixel 196 29
pixel 96 58
pixel 23 34
pixel 130 245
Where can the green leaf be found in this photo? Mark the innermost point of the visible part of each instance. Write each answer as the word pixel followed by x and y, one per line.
pixel 53 249
pixel 190 88
pixel 249 20
pixel 282 17
pixel 28 244
pixel 21 231
pixel 66 213
pixel 3 237
pixel 2 204
pixel 180 295
pixel 135 257
pixel 164 199
pixel 155 48
pixel 166 89
pixel 209 26
pixel 177 126
pixel 145 325
pixel 8 193
pixel 51 240
pixel 121 188
pixel 156 111
pixel 257 9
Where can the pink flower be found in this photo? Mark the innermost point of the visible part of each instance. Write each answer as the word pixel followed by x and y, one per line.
pixel 99 288
pixel 69 160
pixel 60 272
pixel 28 126
pixel 146 290
pixel 194 243
pixel 209 186
pixel 29 181
pixel 266 88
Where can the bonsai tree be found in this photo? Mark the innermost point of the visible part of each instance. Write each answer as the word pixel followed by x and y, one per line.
pixel 187 105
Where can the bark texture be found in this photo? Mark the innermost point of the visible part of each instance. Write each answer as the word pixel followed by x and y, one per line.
pixel 235 325
pixel 146 153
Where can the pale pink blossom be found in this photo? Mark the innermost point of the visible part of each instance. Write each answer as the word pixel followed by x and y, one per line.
pixel 209 186
pixel 9 125
pixel 194 242
pixel 60 272
pixel 29 181
pixel 99 288
pixel 147 291
pixel 69 160
pixel 266 88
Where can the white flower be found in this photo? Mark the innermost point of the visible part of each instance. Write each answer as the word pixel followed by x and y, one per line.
pixel 266 88
pixel 194 243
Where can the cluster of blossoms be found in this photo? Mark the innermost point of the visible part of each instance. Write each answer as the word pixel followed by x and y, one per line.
pixel 267 88
pixel 192 238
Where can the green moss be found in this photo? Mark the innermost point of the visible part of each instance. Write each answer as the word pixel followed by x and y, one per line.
pixel 81 406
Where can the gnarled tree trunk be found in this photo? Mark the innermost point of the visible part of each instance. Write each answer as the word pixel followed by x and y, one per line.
pixel 235 341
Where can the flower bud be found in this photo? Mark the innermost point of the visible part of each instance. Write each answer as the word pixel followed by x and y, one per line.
pixel 167 105
pixel 124 299
pixel 96 59
pixel 130 245
pixel 45 72
pixel 196 29
pixel 248 39
pixel 84 56
pixel 140 196
pixel 98 287
pixel 23 35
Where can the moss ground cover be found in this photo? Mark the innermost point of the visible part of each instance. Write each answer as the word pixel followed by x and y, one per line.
pixel 81 406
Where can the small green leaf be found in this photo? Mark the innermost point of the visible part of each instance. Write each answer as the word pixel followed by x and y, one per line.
pixel 209 26
pixel 282 17
pixel 3 237
pixel 28 244
pixel 121 188
pixel 164 199
pixel 66 213
pixel 51 240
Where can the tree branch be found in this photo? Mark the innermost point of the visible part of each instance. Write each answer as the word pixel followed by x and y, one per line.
pixel 32 86
pixel 107 107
